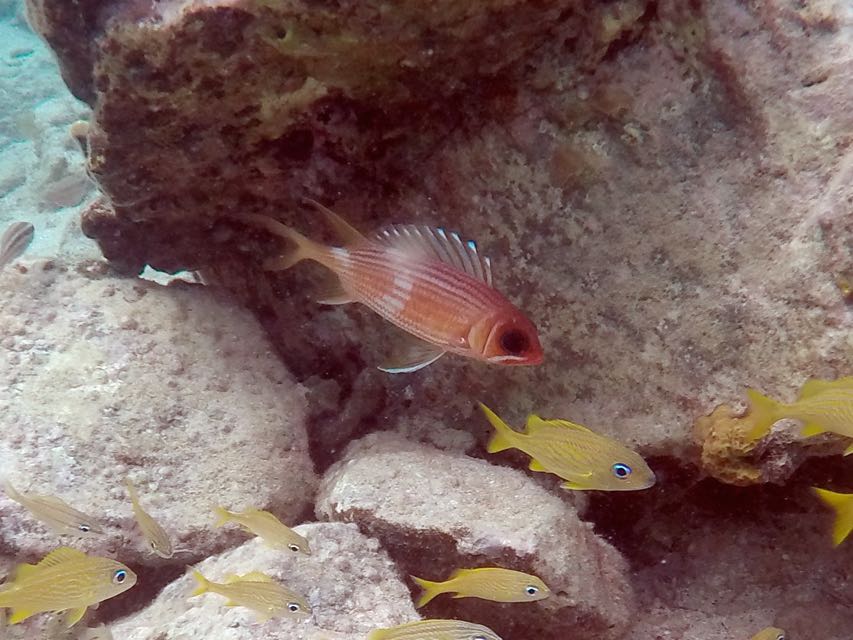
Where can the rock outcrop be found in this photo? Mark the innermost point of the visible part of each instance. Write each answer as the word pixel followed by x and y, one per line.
pixel 437 512
pixel 107 378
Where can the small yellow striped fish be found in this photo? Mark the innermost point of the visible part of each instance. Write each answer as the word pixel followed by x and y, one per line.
pixel 584 459
pixel 488 583
pixel 65 580
pixel 255 591
pixel 15 241
pixel 435 630
pixel 823 405
pixel 267 527
pixel 155 535
pixel 58 515
pixel 770 633
pixel 842 504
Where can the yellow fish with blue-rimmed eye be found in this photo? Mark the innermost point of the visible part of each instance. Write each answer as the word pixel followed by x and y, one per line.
pixel 823 405
pixel 256 591
pixel 488 583
pixel 435 630
pixel 770 633
pixel 65 580
pixel 583 458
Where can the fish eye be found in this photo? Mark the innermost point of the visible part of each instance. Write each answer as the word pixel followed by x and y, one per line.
pixel 621 470
pixel 85 528
pixel 120 576
pixel 531 590
pixel 514 342
pixel 293 607
pixel 294 547
pixel 479 637
pixel 781 636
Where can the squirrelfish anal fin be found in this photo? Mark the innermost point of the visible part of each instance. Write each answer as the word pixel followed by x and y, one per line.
pixel 15 241
pixel 411 354
pixel 332 292
pixel 437 244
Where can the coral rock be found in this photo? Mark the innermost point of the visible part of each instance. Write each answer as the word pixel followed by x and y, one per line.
pixel 436 512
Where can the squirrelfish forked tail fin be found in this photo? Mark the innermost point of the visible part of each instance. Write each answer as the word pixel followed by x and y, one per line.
pixel 502 439
pixel 762 413
pixel 203 584
pixel 223 516
pixel 842 504
pixel 302 249
pixel 430 590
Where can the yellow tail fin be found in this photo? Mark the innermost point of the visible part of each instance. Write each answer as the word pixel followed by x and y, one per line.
pixel 303 249
pixel 431 590
pixel 763 412
pixel 222 516
pixel 842 504
pixel 203 584
pixel 502 439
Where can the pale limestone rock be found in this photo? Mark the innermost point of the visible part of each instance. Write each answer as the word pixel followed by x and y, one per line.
pixel 436 512
pixel 106 378
pixel 351 584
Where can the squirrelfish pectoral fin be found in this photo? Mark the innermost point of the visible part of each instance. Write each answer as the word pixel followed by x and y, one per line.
pixel 410 355
pixel 437 244
pixel 74 615
pixel 812 429
pixel 348 233
pixel 333 293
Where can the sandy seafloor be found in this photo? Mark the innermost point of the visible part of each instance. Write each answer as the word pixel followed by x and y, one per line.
pixel 43 181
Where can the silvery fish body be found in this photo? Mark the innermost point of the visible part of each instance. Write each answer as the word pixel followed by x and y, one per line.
pixel 57 514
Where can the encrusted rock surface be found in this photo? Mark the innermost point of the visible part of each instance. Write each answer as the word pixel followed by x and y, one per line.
pixel 105 378
pixel 436 512
pixel 349 581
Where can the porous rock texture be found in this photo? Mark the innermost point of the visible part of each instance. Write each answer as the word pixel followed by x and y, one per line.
pixel 351 584
pixel 105 378
pixel 436 512
pixel 664 188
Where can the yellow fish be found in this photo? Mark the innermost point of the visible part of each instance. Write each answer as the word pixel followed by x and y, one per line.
pixel 823 405
pixel 55 513
pixel 155 535
pixel 488 583
pixel 256 591
pixel 842 503
pixel 435 630
pixel 66 579
pixel 584 459
pixel 770 633
pixel 266 526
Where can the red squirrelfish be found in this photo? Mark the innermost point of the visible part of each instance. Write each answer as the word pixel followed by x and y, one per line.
pixel 428 282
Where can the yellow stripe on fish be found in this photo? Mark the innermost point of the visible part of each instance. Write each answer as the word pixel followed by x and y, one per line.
pixel 426 281
pixel 584 459
pixel 822 405
pixel 267 527
pixel 57 514
pixel 435 630
pixel 842 504
pixel 256 591
pixel 488 583
pixel 770 633
pixel 156 537
pixel 65 580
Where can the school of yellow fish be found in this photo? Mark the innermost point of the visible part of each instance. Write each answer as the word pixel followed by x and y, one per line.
pixel 439 290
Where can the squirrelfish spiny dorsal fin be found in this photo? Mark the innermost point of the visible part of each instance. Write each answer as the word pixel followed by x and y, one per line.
pixel 348 233
pixel 534 423
pixel 438 244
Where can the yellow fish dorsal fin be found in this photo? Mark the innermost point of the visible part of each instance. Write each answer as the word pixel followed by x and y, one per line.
pixel 534 423
pixel 256 576
pixel 60 555
pixel 815 386
pixel 24 570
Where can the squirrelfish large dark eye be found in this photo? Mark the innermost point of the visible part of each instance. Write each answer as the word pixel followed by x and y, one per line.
pixel 120 576
pixel 515 342
pixel 621 471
